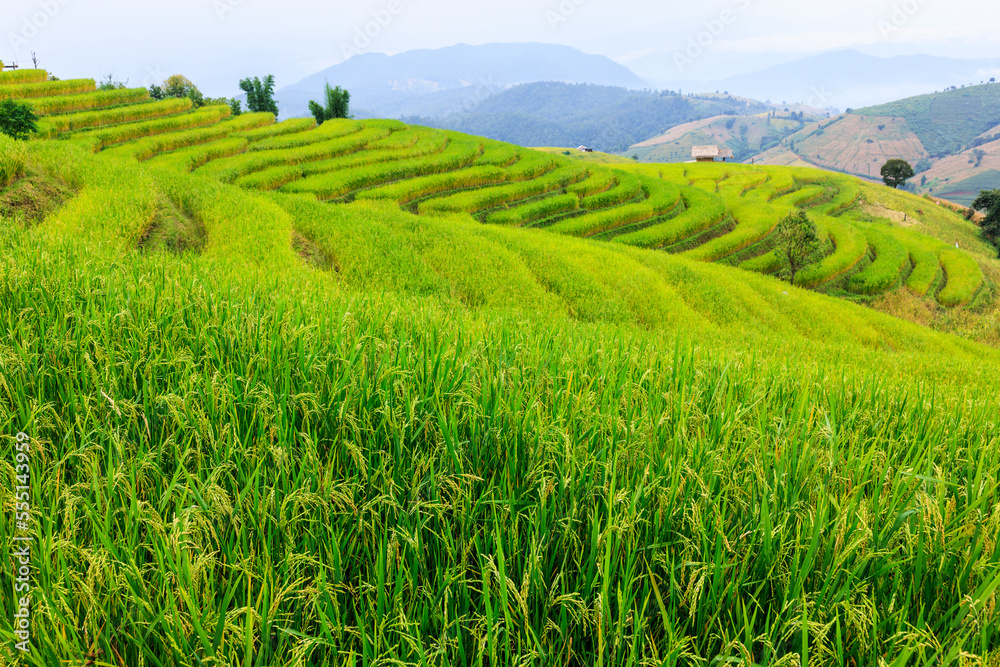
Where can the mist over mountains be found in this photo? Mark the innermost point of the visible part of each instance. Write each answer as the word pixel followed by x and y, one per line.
pixel 432 82
pixel 436 83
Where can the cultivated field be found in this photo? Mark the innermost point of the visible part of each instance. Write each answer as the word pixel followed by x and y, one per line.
pixel 376 394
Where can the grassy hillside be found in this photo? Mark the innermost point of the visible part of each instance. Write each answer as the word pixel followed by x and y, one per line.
pixel 361 394
pixel 948 121
pixel 561 114
pixel 951 138
pixel 747 136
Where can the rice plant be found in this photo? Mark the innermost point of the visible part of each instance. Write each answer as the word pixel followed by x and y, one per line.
pixel 52 126
pixel 26 91
pixel 441 442
pixel 20 76
pixel 100 99
pixel 891 257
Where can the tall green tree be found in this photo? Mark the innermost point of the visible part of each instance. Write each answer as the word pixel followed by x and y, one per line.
pixel 798 241
pixel 338 105
pixel 17 119
pixel 988 202
pixel 260 94
pixel 896 172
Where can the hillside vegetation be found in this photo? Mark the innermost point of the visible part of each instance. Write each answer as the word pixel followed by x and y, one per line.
pixel 951 137
pixel 372 393
pixel 746 135
pixel 559 114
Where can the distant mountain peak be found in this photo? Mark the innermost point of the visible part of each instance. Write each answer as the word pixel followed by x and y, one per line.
pixel 392 85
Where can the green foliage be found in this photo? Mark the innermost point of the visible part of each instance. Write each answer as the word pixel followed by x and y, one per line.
pixel 17 119
pixel 338 103
pixel 563 114
pixel 896 172
pixel 260 94
pixel 798 241
pixel 178 85
pixel 948 121
pixel 988 202
pixel 110 83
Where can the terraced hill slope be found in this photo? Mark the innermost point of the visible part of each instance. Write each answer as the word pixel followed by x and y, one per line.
pixel 397 395
pixel 707 212
pixel 747 136
pixel 947 135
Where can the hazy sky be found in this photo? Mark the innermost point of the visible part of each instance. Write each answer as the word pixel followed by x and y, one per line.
pixel 214 40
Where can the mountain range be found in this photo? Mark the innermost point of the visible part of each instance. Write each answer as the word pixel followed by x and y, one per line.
pixel 436 82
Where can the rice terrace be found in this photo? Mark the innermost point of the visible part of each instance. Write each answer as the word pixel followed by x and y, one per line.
pixel 369 392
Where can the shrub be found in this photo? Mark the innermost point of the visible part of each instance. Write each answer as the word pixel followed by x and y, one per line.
pixel 17 119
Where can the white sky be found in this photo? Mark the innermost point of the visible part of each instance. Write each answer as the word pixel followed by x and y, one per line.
pixel 145 40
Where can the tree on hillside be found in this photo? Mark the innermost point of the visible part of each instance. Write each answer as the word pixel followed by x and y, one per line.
pixel 896 172
pixel 798 241
pixel 988 202
pixel 178 86
pixel 17 119
pixel 338 102
pixel 260 94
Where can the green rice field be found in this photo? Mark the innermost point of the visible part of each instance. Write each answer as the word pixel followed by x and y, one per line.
pixel 374 394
